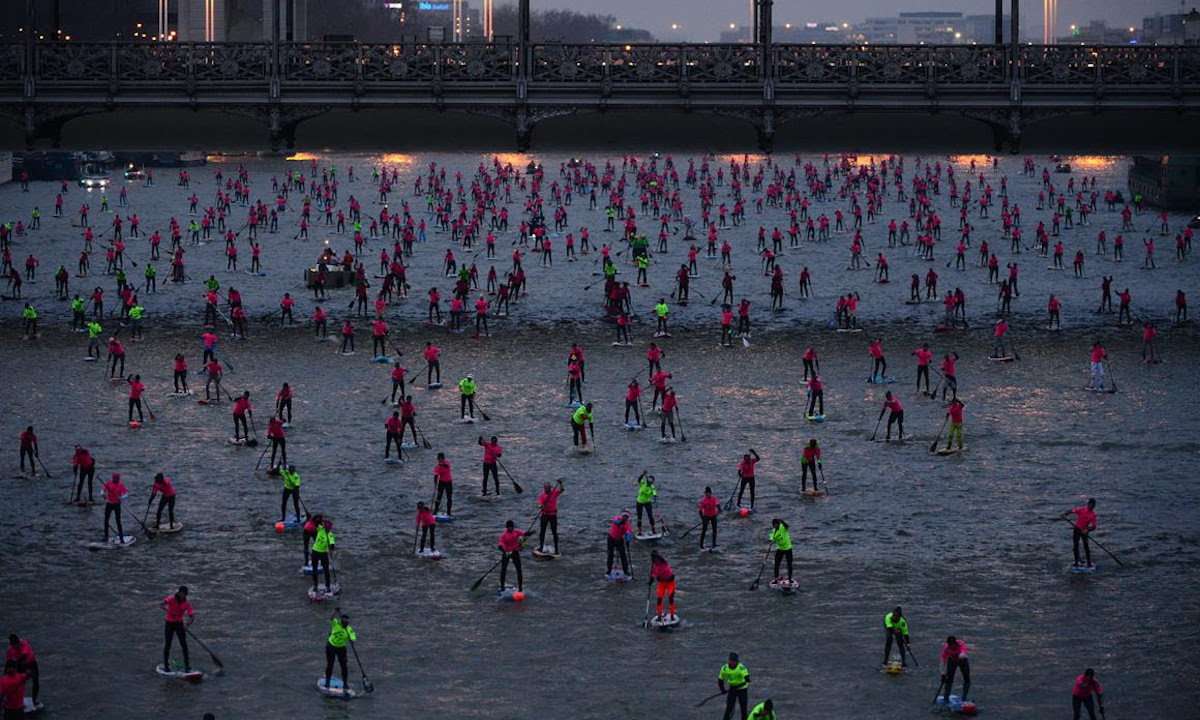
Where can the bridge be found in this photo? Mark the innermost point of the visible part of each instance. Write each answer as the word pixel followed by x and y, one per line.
pixel 279 86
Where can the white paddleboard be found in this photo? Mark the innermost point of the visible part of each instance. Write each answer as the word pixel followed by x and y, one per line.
pixel 336 689
pixel 112 542
pixel 662 622
pixel 323 593
pixel 649 536
pixel 617 576
pixel 430 554
pixel 173 528
pixel 786 586
pixel 32 707
pixel 1083 568
pixel 176 672
pixel 546 555
pixel 508 593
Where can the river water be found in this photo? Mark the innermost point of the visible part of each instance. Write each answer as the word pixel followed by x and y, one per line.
pixel 966 543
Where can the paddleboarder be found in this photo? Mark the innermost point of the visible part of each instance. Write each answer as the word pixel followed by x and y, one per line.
pixel 443 479
pixel 162 486
pixel 619 534
pixel 428 525
pixel 547 504
pixel 114 492
pixel 954 658
pixel 745 472
pixel 291 488
pixel 810 458
pixel 323 544
pixel 491 456
pixel 895 627
pixel 896 416
pixel 21 653
pixel 1085 522
pixel 340 633
pixel 645 500
pixel 710 507
pixel 1081 695
pixel 660 571
pixel 738 691
pixel 175 606
pixel 955 413
pixel 510 543
pixel 782 539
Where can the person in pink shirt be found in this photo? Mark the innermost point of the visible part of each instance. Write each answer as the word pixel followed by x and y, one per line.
pixel 20 653
pixel 1001 330
pixel 1099 357
pixel 710 507
pixel 162 486
pixel 398 373
pixel 283 404
pixel 432 364
pixel 491 457
pixel 442 478
pixel 924 355
pixel 654 354
pixel 12 691
pixel 548 513
pixel 1085 522
pixel 954 657
pixel 948 362
pixel 136 388
pixel 180 375
pixel 811 363
pixel 1081 695
pixel 896 416
pixel 511 541
pixel 632 402
pixel 394 426
pixel 669 403
pixel 427 524
pixel 879 362
pixel 176 606
pixel 242 408
pixel 83 465
pixel 619 533
pixel 114 492
pixel 660 570
pixel 745 473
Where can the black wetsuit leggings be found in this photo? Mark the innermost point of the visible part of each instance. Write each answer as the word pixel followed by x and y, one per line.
pixel 1077 703
pixel 330 653
pixel 962 664
pixel 893 635
pixel 615 545
pixel 113 509
pixel 88 474
pixel 550 521
pixel 1087 546
pixel 318 559
pixel 490 468
pixel 649 510
pixel 431 532
pixel 780 555
pixel 746 482
pixel 173 630
pixel 448 490
pixel 167 503
pixel 294 493
pixel 923 372
pixel 736 697
pixel 515 558
pixel 705 522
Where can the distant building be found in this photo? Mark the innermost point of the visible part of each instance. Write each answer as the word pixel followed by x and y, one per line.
pixel 1097 32
pixel 914 28
pixel 821 33
pixel 1191 28
pixel 1168 29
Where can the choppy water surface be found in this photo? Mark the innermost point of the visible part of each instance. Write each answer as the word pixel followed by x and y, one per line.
pixel 965 543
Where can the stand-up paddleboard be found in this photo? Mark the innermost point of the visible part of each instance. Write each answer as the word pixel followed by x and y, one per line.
pixel 90 359
pixel 617 576
pixel 892 668
pixel 812 493
pixel 434 386
pixel 468 420
pixel 663 335
pixel 510 594
pixel 1084 568
pixel 663 622
pixel 408 445
pixel 236 441
pixel 849 330
pixel 176 672
pixel 787 587
pixel 345 353
pixel 112 542
pixel 306 569
pixel 336 689
pixel 957 705
pixel 171 528
pixel 633 426
pixel 818 417
pixel 428 554
pixel 134 424
pixel 291 523
pixel 381 359
pixel 951 451
pixel 183 393
pixel 743 512
pixel 392 460
pixel 650 536
pixel 32 707
pixel 544 555
pixel 574 405
pixel 443 518
pixel 583 449
pixel 881 380
pixel 323 593
pixel 668 440
pixel 1106 391
pixel 1006 358
pixel 711 549
pixel 622 344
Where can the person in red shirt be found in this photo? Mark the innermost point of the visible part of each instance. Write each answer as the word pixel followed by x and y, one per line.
pixel 1081 695
pixel 29 449
pixel 710 507
pixel 398 373
pixel 428 525
pixel 633 402
pixel 114 492
pixel 283 404
pixel 1085 522
pixel 669 403
pixel 955 415
pixel 176 606
pixel 242 408
pixel 510 544
pixel 547 504
pixel 347 337
pixel 179 375
pixel 745 473
pixel 897 415
pixel 491 458
pixel 432 364
pixel 162 486
pixel 20 652
pixel 878 361
pixel 84 466
pixel 320 323
pixel 924 355
pixel 285 310
pixel 661 571
pixel 811 363
pixel 12 691
pixel 443 479
pixel 394 427
pixel 277 436
pixel 948 362
pixel 136 387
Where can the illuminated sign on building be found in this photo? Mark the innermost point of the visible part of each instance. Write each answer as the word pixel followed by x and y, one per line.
pixel 439 7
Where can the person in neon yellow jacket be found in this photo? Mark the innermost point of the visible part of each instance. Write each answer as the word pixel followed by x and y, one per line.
pixel 340 633
pixel 645 500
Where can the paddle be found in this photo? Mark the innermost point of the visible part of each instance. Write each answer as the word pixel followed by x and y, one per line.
pixel 261 456
pixel 1111 379
pixel 689 530
pixel 710 697
pixel 150 534
pixel 516 486
pixel 365 680
pixel 1097 543
pixel 147 404
pixel 823 481
pixel 763 566
pixel 646 616
pixel 424 442
pixel 732 495
pixel 481 412
pixel 881 412
pixel 39 461
pixel 933 445
pixel 252 442
pixel 910 653
pixel 939 690
pixel 682 436
pixel 212 655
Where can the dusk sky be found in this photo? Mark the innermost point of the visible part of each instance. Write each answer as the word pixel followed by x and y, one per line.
pixel 704 19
